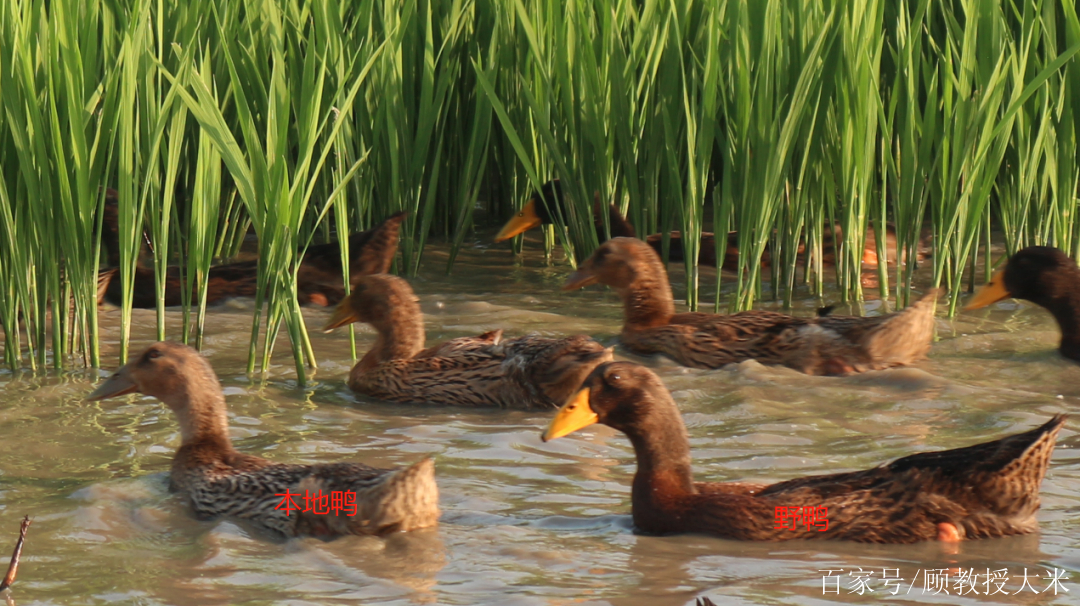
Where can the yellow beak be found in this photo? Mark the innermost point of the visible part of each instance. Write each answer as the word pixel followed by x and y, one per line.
pixel 525 220
pixel 992 292
pixel 574 415
pixel 343 314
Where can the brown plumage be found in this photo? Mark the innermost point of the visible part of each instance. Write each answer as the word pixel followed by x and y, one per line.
pixel 487 370
pixel 319 278
pixel 217 480
pixel 1047 277
pixel 821 345
pixel 982 491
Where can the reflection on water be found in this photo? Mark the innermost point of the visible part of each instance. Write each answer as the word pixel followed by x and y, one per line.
pixel 524 522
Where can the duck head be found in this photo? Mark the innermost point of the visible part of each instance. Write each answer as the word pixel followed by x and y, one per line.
pixel 1041 274
pixel 622 395
pixel 619 263
pixel 535 213
pixel 388 304
pixel 181 378
pixel 633 269
pixel 374 300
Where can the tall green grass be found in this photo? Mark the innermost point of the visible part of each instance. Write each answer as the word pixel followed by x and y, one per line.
pixel 786 121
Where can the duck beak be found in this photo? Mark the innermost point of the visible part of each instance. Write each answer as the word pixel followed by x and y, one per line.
pixel 574 415
pixel 343 314
pixel 580 279
pixel 525 220
pixel 118 384
pixel 992 292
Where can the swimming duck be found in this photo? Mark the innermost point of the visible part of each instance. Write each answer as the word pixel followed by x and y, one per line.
pixel 1047 277
pixel 981 491
pixel 217 480
pixel 538 211
pixel 826 344
pixel 487 370
pixel 319 278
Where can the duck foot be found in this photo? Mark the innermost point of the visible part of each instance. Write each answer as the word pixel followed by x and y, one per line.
pixel 948 533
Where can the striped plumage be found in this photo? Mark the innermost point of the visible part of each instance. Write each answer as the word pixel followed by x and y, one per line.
pixel 217 480
pixel 819 345
pixel 487 370
pixel 982 491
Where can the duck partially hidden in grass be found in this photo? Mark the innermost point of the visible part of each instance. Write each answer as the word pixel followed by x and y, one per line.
pixel 486 370
pixel 978 492
pixel 826 344
pixel 541 209
pixel 1047 277
pixel 319 279
pixel 217 480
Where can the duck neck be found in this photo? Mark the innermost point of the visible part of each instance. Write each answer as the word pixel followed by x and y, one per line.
pixel 202 417
pixel 401 334
pixel 1066 310
pixel 663 457
pixel 647 302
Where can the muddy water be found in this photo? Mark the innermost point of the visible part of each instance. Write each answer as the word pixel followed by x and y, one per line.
pixel 526 522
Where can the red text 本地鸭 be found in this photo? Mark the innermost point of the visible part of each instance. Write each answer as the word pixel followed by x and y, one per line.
pixel 336 502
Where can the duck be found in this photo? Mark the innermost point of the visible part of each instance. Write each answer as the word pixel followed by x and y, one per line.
pixel 978 492
pixel 218 481
pixel 537 211
pixel 823 345
pixel 529 372
pixel 1048 278
pixel 319 277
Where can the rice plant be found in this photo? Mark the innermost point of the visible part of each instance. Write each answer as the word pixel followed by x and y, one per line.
pixel 800 126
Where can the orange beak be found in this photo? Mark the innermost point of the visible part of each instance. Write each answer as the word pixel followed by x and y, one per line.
pixel 525 220
pixel 992 292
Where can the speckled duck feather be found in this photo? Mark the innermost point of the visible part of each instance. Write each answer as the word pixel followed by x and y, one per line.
pixel 530 372
pixel 818 345
pixel 986 490
pixel 218 481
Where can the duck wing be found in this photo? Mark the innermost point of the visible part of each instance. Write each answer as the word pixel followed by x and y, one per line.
pixel 543 372
pixel 463 345
pixel 985 490
pixel 385 499
pixel 703 340
pixel 460 372
pixel 892 339
pixel 823 345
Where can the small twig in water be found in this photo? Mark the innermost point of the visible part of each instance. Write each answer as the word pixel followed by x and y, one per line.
pixel 14 566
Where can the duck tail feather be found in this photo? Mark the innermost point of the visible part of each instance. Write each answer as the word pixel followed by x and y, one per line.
pixel 405 499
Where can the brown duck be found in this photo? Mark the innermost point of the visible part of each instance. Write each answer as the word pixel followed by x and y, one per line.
pixel 319 278
pixel 487 370
pixel 1047 277
pixel 822 345
pixel 538 210
pixel 217 480
pixel 978 492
